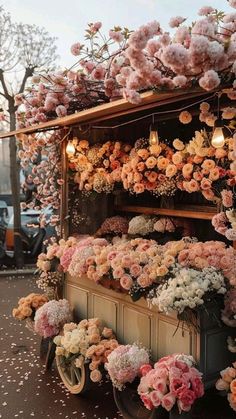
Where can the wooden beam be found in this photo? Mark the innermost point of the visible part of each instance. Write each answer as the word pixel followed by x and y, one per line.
pixel 199 213
pixel 110 110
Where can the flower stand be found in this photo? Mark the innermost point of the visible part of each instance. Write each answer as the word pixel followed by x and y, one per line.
pixel 135 322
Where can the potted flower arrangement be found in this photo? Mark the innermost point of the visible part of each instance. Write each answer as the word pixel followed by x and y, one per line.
pixel 81 351
pixel 27 307
pixel 174 383
pixel 227 384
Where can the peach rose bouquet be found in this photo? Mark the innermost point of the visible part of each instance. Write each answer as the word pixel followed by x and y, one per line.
pixel 227 383
pixel 28 305
pixel 88 341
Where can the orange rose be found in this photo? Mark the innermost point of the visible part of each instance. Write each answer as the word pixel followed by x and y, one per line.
pixel 151 162
pixel 208 164
pixel 143 153
pixel 205 184
pixel 187 170
pixel 193 186
pixel 155 149
pixel 233 387
pixel 177 158
pixel 95 376
pixel 152 177
pixel 197 159
pixel 141 166
pixel 208 194
pixel 220 153
pixel 214 174
pixel 138 188
pixel 197 176
pixel 171 170
pixel 162 162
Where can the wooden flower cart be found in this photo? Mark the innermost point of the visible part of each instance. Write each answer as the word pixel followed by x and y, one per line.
pixel 134 321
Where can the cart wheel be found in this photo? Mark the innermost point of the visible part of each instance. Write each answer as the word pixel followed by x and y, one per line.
pixel 50 355
pixel 76 380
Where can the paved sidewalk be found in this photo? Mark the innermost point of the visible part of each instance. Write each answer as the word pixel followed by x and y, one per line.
pixel 26 391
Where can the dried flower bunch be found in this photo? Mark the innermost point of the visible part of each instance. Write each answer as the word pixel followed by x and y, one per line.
pixel 87 341
pixel 116 225
pixel 28 305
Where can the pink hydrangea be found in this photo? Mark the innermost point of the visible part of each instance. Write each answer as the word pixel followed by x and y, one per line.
pixel 51 317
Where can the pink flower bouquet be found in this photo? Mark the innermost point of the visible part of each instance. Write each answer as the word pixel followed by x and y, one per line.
pixel 227 382
pixel 51 317
pixel 124 364
pixel 172 381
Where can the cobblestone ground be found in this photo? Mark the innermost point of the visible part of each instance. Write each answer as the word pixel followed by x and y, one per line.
pixel 26 391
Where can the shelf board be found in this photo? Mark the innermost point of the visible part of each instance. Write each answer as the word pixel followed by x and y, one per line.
pixel 199 212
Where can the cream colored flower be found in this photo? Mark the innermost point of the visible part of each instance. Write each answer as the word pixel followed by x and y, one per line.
pixel 178 144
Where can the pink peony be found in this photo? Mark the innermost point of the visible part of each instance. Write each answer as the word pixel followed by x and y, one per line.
pixel 155 398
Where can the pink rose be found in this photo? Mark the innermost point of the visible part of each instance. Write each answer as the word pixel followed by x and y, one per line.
pixel 205 184
pixel 227 198
pixel 135 270
pixel 168 401
pixel 160 385
pixel 187 398
pixel 197 386
pixel 126 281
pixel 147 402
pixel 144 369
pixel 155 398
pixel 177 386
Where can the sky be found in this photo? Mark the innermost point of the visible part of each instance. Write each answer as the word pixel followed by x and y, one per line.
pixel 67 20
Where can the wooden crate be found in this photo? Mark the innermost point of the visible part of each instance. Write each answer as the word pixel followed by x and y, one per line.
pixel 135 322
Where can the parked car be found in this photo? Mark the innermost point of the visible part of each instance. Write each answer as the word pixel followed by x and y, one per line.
pixel 4 218
pixel 29 225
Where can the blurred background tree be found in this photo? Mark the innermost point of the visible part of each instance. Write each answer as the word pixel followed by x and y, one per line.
pixel 25 50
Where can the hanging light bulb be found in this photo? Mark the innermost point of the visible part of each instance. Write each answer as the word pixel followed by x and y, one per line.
pixel 153 134
pixel 218 139
pixel 70 148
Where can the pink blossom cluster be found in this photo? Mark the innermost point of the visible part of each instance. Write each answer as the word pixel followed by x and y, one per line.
pixel 147 58
pixel 172 381
pixel 227 382
pixel 51 317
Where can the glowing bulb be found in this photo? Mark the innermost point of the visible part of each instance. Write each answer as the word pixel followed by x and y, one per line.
pixel 153 137
pixel 218 139
pixel 70 148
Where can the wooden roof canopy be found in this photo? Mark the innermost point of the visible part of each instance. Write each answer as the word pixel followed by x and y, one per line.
pixel 112 110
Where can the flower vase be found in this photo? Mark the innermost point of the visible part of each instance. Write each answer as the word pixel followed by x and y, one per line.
pixel 174 414
pixel 159 413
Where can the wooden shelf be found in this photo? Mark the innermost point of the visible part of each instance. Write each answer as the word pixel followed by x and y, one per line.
pixel 199 212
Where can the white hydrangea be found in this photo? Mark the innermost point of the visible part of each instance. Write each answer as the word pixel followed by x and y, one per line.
pixel 142 225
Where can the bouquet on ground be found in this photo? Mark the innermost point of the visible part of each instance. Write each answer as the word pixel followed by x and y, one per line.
pixel 173 381
pixel 28 305
pixel 227 383
pixel 51 317
pixel 88 342
pixel 124 364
